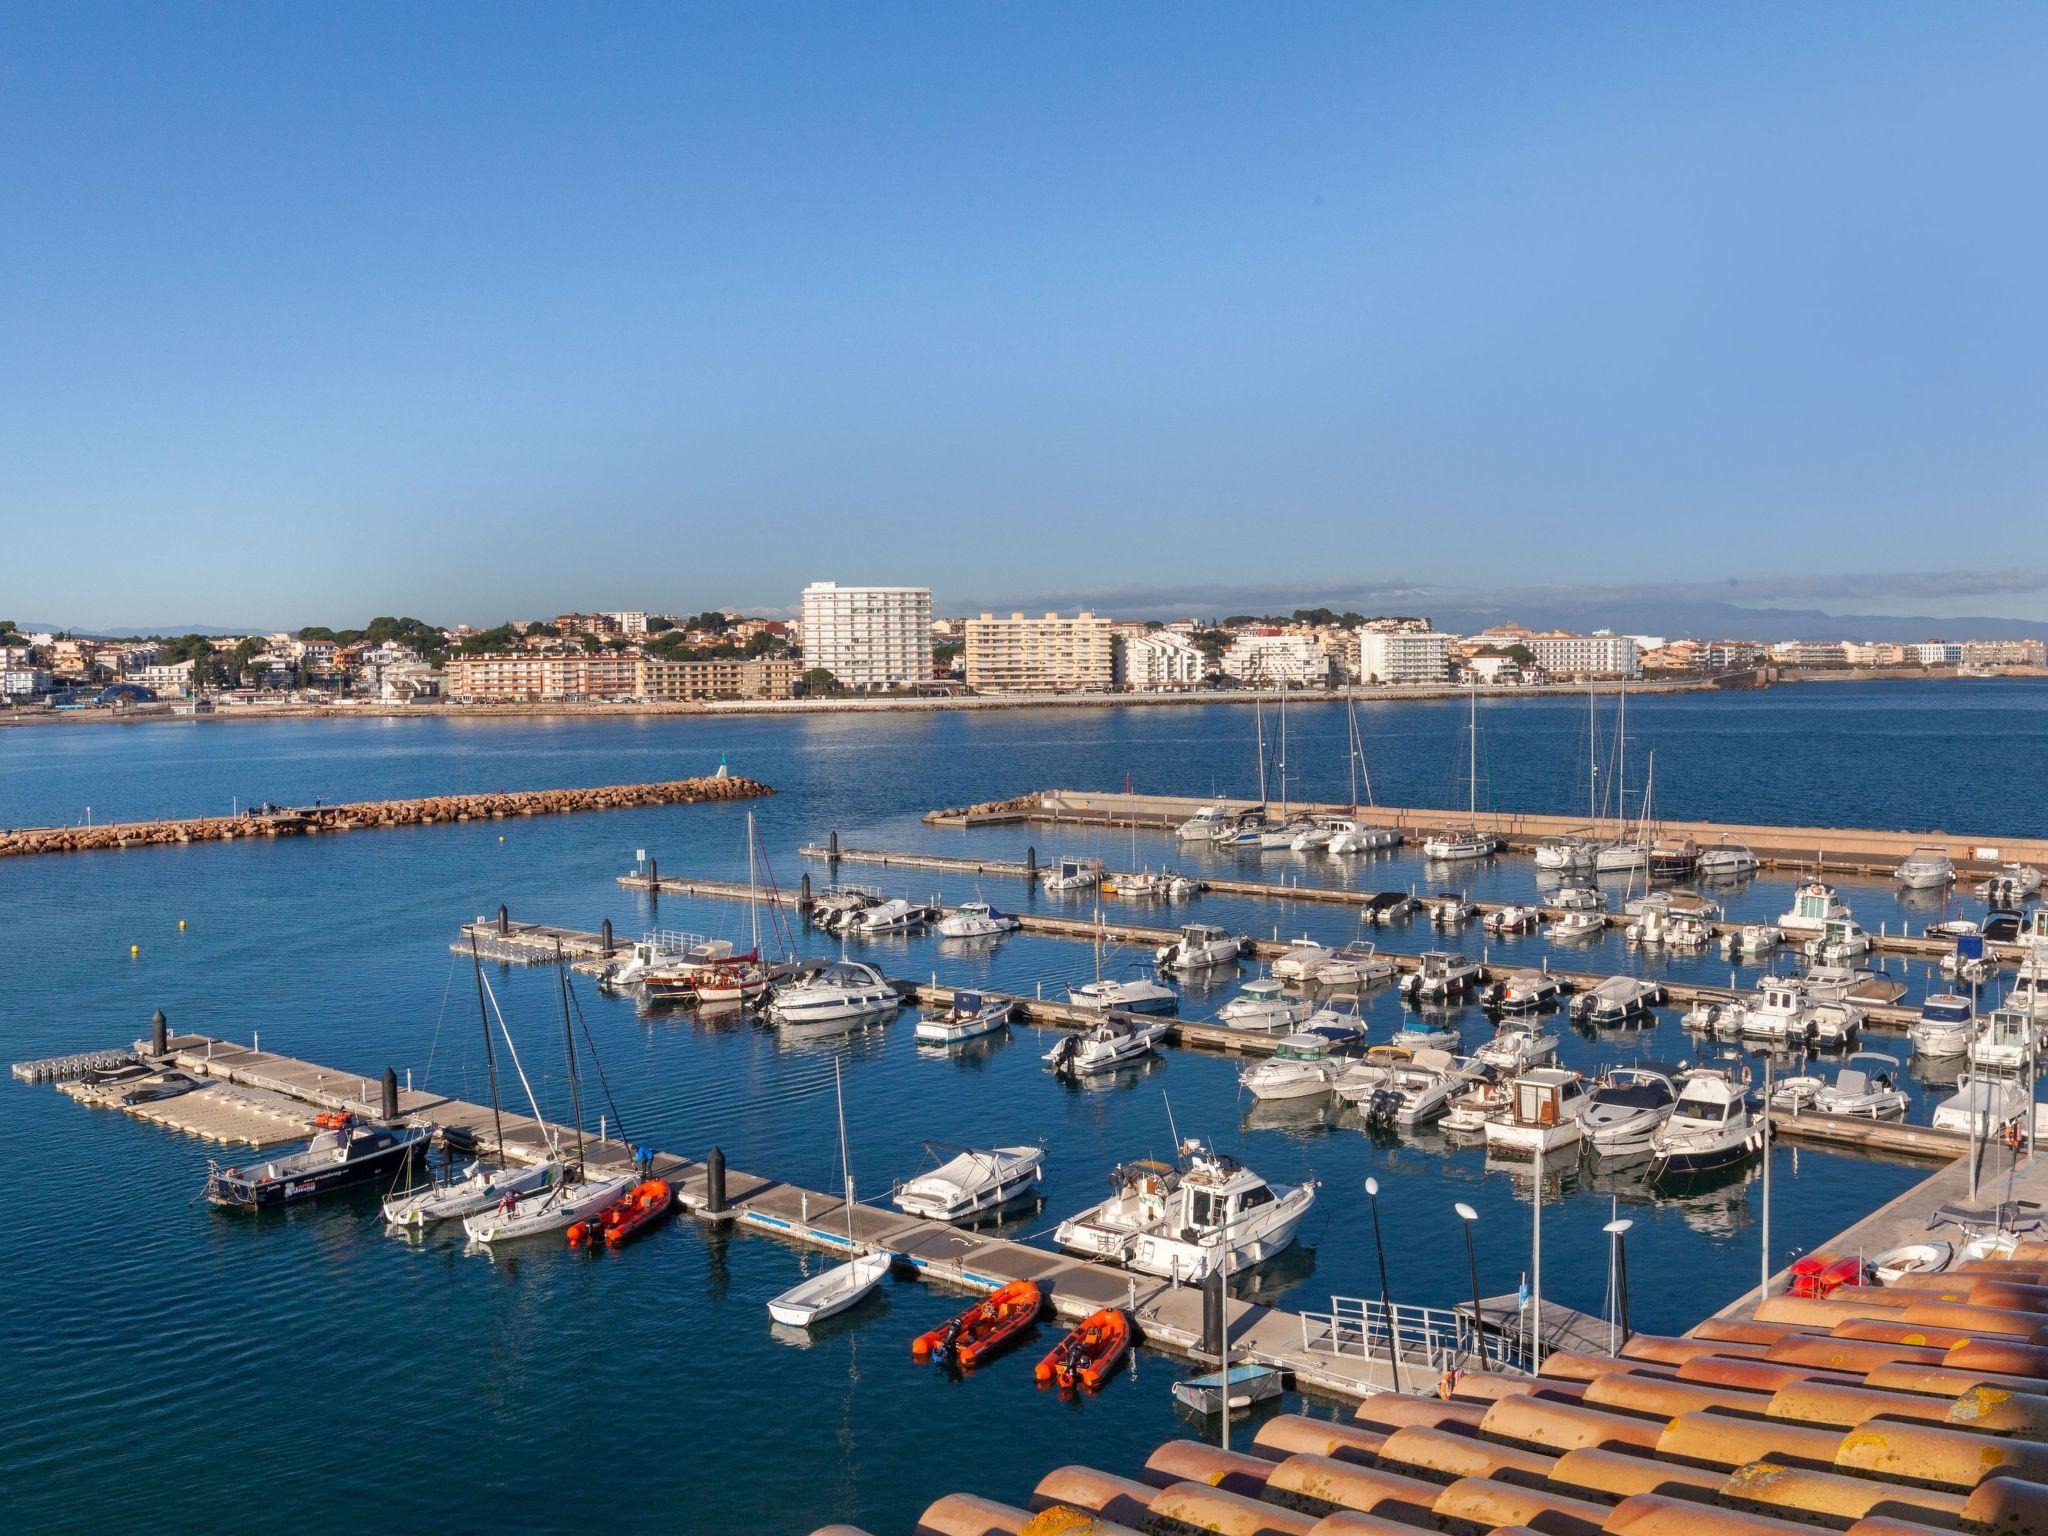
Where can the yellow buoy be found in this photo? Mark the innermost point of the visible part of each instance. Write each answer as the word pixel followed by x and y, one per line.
pixel 134 950
pixel 501 837
pixel 181 925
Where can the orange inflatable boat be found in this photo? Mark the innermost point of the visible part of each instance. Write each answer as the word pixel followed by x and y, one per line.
pixel 983 1328
pixel 626 1217
pixel 1086 1356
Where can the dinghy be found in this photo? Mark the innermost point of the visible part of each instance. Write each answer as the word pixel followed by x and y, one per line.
pixel 1911 1259
pixel 1085 1357
pixel 626 1217
pixel 1240 1387
pixel 976 1334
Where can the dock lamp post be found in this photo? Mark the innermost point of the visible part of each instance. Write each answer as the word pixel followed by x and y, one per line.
pixel 1469 1216
pixel 1372 1195
pixel 1617 1282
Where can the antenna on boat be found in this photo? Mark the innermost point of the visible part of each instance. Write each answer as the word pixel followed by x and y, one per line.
pixel 490 1056
pixel 569 1035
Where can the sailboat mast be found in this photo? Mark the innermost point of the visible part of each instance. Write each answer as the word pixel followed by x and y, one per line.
pixel 1472 767
pixel 1592 758
pixel 753 903
pixel 1351 708
pixel 1259 726
pixel 569 1035
pixel 1621 764
pixel 845 1163
pixel 483 1016
pixel 1283 751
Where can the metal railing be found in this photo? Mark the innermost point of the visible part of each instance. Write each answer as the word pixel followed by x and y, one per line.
pixel 1431 1338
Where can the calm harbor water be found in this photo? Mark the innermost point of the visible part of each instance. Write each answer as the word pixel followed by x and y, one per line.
pixel 293 1371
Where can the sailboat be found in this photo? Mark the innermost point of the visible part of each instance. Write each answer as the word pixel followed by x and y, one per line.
pixel 740 980
pixel 1248 828
pixel 1670 858
pixel 1447 847
pixel 833 1290
pixel 1280 834
pixel 479 1186
pixel 1575 853
pixel 563 1202
pixel 1625 853
pixel 1353 834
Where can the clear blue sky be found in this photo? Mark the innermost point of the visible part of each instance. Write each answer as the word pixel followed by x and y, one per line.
pixel 312 312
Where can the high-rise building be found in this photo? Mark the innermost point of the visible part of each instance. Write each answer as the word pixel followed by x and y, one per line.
pixel 1052 654
pixel 869 638
pixel 1158 661
pixel 1600 654
pixel 1404 656
pixel 1268 658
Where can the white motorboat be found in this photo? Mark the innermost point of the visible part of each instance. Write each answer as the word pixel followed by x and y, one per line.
pixel 1512 919
pixel 1814 905
pixel 1751 941
pixel 1311 835
pixel 1578 925
pixel 1181 1224
pixel 837 905
pixel 1201 947
pixel 1944 1027
pixel 1520 992
pixel 1246 830
pixel 974 920
pixel 2028 993
pixel 1926 868
pixel 2006 1042
pixel 836 992
pixel 1728 859
pixel 654 951
pixel 1104 1047
pixel 1982 1105
pixel 1867 1085
pixel 1385 908
pixel 1459 847
pixel 1544 1106
pixel 896 915
pixel 1264 1005
pixel 1205 824
pixel 1628 1105
pixel 1894 1264
pixel 1710 1127
pixel 2010 885
pixel 1518 1046
pixel 1717 1014
pixel 477 1188
pixel 1069 874
pixel 970 1017
pixel 1305 1064
pixel 1440 975
pixel 1429 1031
pixel 1303 960
pixel 1448 909
pixel 1127 994
pixel 1780 1012
pixel 1797 1092
pixel 830 1291
pixel 1356 965
pixel 1665 927
pixel 1577 897
pixel 1967 963
pixel 1567 855
pixel 548 1209
pixel 1409 1093
pixel 1371 1071
pixel 1616 1000
pixel 1840 939
pixel 1348 835
pixel 972 1184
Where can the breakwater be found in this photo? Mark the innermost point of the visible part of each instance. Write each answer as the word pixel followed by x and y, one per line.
pixel 302 821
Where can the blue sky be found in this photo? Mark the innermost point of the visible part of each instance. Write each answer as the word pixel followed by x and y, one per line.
pixel 477 310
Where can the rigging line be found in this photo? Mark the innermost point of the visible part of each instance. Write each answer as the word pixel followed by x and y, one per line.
pixel 446 988
pixel 540 1119
pixel 606 1088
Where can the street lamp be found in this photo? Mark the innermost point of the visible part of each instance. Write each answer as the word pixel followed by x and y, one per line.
pixel 1372 1194
pixel 1617 1282
pixel 1469 1216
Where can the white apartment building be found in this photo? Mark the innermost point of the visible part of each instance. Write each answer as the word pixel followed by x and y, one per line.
pixel 22 682
pixel 1601 654
pixel 631 623
pixel 1934 653
pixel 1048 655
pixel 1404 656
pixel 869 637
pixel 165 679
pixel 1158 662
pixel 1272 658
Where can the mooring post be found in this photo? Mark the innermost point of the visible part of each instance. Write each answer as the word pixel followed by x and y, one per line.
pixel 1212 1313
pixel 803 894
pixel 714 1185
pixel 653 876
pixel 1031 863
pixel 832 846
pixel 390 1094
pixel 159 1033
pixel 605 932
pixel 504 920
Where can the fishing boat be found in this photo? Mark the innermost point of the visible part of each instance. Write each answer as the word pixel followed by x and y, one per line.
pixel 1840 939
pixel 346 1149
pixel 971 1184
pixel 1544 1106
pixel 1234 1390
pixel 1752 941
pixel 984 1328
pixel 2007 1042
pixel 1710 1127
pixel 656 950
pixel 1617 1000
pixel 837 992
pixel 1577 925
pixel 1780 1012
pixel 974 920
pixel 1087 1355
pixel 1944 1026
pixel 1070 874
pixel 1926 868
pixel 1356 965
pixel 1265 1006
pixel 1484 1096
pixel 1172 1222
pixel 1729 859
pixel 1305 1064
pixel 1628 1105
pixel 1866 1085
pixel 676 979
pixel 969 1017
pixel 1439 975
pixel 634 1212
pixel 833 1290
pixel 1104 1047
pixel 1814 905
pixel 1517 1046
pixel 1201 947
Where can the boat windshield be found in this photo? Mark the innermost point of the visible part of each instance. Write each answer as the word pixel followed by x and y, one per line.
pixel 1633 1095
pixel 1937 1011
pixel 1703 1109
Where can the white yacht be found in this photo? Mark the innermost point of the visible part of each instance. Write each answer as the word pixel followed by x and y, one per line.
pixel 1104 1047
pixel 1575 896
pixel 975 920
pixel 1616 1000
pixel 1751 941
pixel 1302 961
pixel 1627 1107
pixel 1839 939
pixel 971 1184
pixel 1814 905
pixel 1926 868
pixel 547 1209
pixel 1518 1046
pixel 1944 1027
pixel 2006 1042
pixel 1172 1223
pixel 1264 1005
pixel 1201 947
pixel 2028 993
pixel 1867 1085
pixel 1440 975
pixel 1356 965
pixel 971 1017
pixel 1544 1106
pixel 1567 855
pixel 1129 994
pixel 1623 857
pixel 1458 847
pixel 1069 874
pixel 1205 824
pixel 1408 1093
pixel 896 915
pixel 1982 1104
pixel 837 992
pixel 1449 909
pixel 1306 1064
pixel 1710 1127
pixel 1727 860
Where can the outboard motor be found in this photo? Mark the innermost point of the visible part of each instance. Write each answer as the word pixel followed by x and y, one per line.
pixel 1063 1053
pixel 1381 1108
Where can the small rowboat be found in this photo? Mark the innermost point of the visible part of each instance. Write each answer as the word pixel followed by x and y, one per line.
pixel 1912 1259
pixel 1086 1356
pixel 983 1328
pixel 1247 1385
pixel 626 1217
